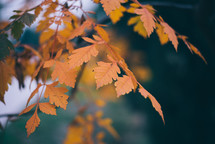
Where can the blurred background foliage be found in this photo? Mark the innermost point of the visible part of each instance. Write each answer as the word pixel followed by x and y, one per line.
pixel 181 82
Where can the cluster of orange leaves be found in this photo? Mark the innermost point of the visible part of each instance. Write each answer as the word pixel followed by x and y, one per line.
pixel 57 54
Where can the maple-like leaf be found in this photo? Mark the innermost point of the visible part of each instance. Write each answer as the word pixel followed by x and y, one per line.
pixel 56 95
pixel 105 73
pixel 147 18
pixel 116 15
pixel 155 103
pixel 5 78
pixel 47 108
pixel 124 85
pixel 111 5
pixel 171 34
pixel 138 26
pixel 32 123
pixel 64 74
pixel 82 55
pixel 80 30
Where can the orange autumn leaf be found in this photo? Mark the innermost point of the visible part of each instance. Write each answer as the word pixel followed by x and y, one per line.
pixel 47 108
pixel 80 30
pixel 49 63
pixel 111 5
pixel 124 85
pixel 196 51
pixel 171 34
pixel 56 95
pixel 33 93
pixel 148 19
pixel 32 123
pixel 155 103
pixel 82 55
pixel 105 73
pixel 5 78
pixel 192 48
pixel 27 109
pixel 64 74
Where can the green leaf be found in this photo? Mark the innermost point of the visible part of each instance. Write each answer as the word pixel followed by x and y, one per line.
pixel 17 11
pixel 28 19
pixel 5 46
pixel 14 16
pixel 17 29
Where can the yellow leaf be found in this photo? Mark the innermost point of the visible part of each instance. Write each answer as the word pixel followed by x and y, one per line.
pixel 64 74
pixel 5 78
pixel 56 95
pixel 155 103
pixel 47 108
pixel 163 37
pixel 106 123
pixel 105 73
pixel 147 18
pixel 117 14
pixel 81 55
pixel 171 34
pixel 100 103
pixel 32 123
pixel 124 85
pixel 111 5
pixel 102 33
pixel 139 28
pixel 46 35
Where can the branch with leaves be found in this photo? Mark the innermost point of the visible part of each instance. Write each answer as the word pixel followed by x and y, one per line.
pixel 59 61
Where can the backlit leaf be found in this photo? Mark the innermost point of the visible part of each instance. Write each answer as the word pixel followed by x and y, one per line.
pixel 111 5
pixel 64 74
pixel 32 123
pixel 27 109
pixel 82 55
pixel 33 93
pixel 124 85
pixel 147 18
pixel 155 103
pixel 171 34
pixel 105 73
pixel 56 95
pixel 47 108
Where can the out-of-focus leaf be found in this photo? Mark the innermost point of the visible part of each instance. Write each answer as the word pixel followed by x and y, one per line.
pixel 17 29
pixel 5 46
pixel 28 19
